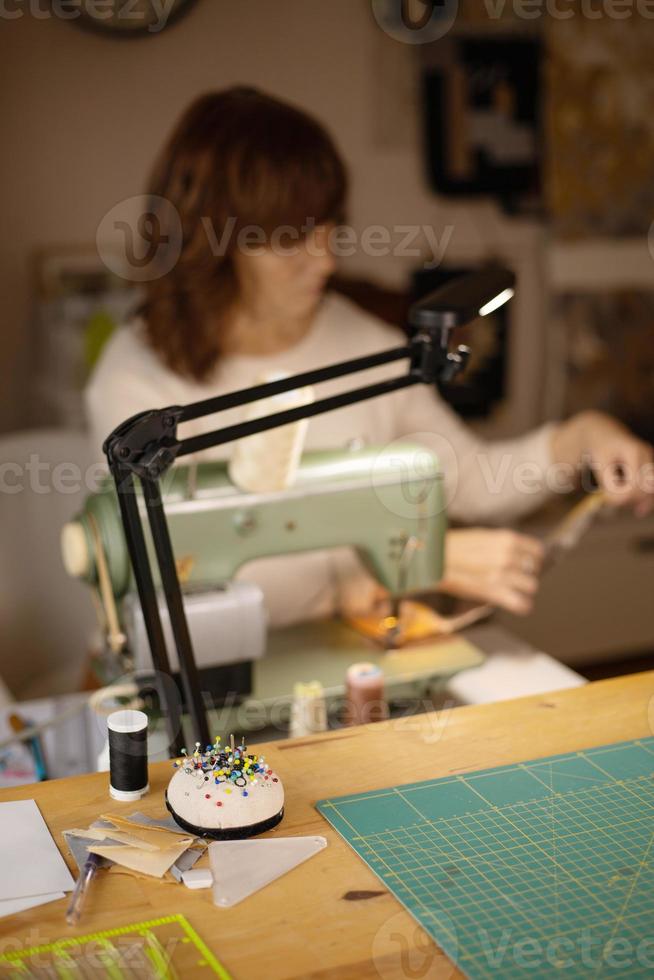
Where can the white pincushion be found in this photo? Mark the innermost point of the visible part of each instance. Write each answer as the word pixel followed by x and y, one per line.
pixel 225 793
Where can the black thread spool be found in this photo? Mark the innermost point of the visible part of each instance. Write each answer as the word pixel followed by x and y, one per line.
pixel 128 755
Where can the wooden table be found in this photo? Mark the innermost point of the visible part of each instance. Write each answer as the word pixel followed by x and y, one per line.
pixel 331 917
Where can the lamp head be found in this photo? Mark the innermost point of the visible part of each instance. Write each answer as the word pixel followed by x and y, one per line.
pixel 462 300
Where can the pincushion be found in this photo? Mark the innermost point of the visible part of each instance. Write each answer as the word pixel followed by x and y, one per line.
pixel 227 794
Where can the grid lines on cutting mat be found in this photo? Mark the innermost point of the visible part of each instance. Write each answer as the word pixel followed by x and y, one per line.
pixel 543 868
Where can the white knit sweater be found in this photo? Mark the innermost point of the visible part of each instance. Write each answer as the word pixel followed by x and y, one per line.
pixel 486 482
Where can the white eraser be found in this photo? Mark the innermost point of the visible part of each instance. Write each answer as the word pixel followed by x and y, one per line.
pixel 198 878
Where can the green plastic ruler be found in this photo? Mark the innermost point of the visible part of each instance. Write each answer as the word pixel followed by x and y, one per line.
pixel 165 949
pixel 540 869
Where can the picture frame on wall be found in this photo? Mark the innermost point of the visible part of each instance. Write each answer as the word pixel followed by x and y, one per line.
pixel 78 302
pixel 482 119
pixel 607 339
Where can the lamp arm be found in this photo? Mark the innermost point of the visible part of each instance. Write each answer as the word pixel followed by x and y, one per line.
pixel 146 445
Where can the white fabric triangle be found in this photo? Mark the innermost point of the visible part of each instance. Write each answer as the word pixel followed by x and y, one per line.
pixel 242 867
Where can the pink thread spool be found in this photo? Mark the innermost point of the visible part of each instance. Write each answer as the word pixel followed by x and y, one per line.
pixel 365 701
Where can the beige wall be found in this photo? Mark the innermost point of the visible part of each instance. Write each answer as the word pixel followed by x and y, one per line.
pixel 81 117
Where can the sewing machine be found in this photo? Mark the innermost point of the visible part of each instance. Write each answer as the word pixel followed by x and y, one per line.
pixel 386 503
pixel 367 495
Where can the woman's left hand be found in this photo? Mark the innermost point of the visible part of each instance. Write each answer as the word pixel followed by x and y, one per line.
pixel 623 464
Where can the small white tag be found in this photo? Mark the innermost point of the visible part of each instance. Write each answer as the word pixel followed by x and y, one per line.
pixel 198 878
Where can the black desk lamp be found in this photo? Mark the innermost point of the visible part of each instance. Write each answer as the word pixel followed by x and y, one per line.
pixel 146 445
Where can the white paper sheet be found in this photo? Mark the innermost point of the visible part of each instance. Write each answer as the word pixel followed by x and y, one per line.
pixel 29 858
pixel 512 674
pixel 13 905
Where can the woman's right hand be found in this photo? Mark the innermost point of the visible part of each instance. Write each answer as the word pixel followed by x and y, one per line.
pixel 500 567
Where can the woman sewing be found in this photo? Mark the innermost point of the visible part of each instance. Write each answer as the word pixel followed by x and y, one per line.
pixel 259 189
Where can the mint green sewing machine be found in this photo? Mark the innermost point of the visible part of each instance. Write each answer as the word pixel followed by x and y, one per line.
pixel 386 503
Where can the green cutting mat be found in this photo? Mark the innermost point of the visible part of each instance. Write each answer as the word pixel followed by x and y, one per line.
pixel 540 869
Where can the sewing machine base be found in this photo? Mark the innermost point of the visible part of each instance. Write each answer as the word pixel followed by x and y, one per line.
pixel 323 650
pixel 225 684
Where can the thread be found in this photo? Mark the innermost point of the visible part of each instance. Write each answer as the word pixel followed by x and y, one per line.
pixel 365 700
pixel 128 755
pixel 308 710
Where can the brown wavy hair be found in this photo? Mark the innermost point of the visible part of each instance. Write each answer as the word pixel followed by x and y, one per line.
pixel 236 158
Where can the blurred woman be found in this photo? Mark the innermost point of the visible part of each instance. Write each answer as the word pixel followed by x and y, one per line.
pixel 260 190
